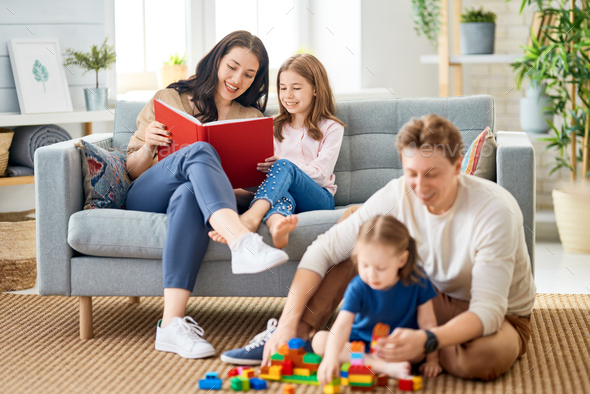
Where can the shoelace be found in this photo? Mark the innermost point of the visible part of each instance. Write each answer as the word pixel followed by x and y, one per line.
pixel 189 326
pixel 261 338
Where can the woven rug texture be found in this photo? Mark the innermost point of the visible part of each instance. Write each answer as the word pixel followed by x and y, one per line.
pixel 40 349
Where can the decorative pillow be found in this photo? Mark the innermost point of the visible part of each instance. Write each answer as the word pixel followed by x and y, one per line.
pixel 480 158
pixel 105 176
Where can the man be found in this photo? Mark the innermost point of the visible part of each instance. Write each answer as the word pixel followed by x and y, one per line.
pixel 471 241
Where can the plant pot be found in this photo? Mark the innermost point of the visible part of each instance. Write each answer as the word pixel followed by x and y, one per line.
pixel 477 38
pixel 532 117
pixel 171 73
pixel 572 215
pixel 97 99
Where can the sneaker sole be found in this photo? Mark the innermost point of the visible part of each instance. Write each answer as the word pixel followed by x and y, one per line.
pixel 257 270
pixel 173 349
pixel 239 361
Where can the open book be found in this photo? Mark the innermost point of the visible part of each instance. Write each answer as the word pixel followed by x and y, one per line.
pixel 240 143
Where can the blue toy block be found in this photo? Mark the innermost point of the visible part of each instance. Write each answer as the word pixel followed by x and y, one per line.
pixel 296 343
pixel 357 355
pixel 344 374
pixel 210 384
pixel 212 375
pixel 257 384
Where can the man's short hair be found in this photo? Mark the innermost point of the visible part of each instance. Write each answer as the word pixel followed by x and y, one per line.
pixel 431 132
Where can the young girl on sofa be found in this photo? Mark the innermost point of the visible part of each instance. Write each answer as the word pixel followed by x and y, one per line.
pixel 300 176
pixel 390 288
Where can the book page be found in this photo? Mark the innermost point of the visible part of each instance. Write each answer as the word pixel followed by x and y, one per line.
pixel 181 113
pixel 231 121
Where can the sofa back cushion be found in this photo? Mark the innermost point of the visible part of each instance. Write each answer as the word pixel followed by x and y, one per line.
pixel 368 158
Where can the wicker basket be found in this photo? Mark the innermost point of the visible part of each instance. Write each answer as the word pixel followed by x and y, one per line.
pixel 18 262
pixel 5 140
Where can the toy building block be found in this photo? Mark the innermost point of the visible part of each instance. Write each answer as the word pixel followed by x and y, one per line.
pixel 232 372
pixel 382 380
pixel 296 343
pixel 366 379
pixel 283 350
pixel 288 389
pixel 361 388
pixel 241 369
pixel 360 370
pixel 381 330
pixel 287 367
pixel 211 382
pixel 236 384
pixel 245 383
pixel 344 381
pixel 357 347
pixel 413 383
pixel 344 370
pixel 248 373
pixel 257 384
pixel 329 389
pixel 272 373
pixel 301 372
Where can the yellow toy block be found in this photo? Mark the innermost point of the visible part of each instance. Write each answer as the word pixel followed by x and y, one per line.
pixel 344 381
pixel 417 382
pixel 274 373
pixel 330 389
pixel 360 379
pixel 248 373
pixel 301 372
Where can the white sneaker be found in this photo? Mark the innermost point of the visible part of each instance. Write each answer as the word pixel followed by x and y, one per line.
pixel 250 255
pixel 183 336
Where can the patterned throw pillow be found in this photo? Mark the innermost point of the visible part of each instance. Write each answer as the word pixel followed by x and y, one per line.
pixel 480 158
pixel 105 176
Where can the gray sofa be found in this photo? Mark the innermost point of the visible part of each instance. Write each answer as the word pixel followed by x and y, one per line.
pixel 114 252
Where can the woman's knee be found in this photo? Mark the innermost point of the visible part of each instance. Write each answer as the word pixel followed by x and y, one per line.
pixel 283 164
pixel 184 199
pixel 483 364
pixel 348 211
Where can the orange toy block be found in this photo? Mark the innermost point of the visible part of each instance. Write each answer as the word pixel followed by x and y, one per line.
pixel 248 373
pixel 288 389
pixel 357 347
pixel 284 350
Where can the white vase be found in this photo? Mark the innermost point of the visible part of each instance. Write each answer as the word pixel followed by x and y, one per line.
pixel 532 117
pixel 572 216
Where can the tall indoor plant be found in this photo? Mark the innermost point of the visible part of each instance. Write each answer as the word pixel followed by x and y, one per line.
pixel 561 61
pixel 95 60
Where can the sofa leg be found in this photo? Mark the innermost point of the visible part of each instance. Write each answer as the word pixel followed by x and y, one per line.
pixel 86 317
pixel 134 300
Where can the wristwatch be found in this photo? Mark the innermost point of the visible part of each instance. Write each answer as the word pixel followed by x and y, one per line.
pixel 431 342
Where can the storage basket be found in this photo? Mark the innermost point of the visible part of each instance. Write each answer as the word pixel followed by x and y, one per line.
pixel 18 262
pixel 5 141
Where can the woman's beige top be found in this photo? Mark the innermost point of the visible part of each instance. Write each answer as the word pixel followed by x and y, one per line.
pixel 181 102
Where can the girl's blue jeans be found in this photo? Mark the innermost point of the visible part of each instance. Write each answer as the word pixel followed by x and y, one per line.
pixel 289 190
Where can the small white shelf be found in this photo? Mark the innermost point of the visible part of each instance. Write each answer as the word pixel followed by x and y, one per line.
pixel 472 59
pixel 16 119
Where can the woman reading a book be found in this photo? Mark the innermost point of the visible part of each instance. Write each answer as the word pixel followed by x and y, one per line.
pixel 307 142
pixel 190 186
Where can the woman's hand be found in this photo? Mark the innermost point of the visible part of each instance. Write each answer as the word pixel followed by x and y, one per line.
pixel 430 369
pixel 281 335
pixel 403 344
pixel 156 135
pixel 265 167
pixel 328 370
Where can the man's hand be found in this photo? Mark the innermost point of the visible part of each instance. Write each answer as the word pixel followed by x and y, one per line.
pixel 265 167
pixel 281 335
pixel 402 345
pixel 430 369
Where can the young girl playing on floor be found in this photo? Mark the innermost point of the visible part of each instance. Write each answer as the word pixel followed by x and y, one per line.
pixel 390 288
pixel 307 142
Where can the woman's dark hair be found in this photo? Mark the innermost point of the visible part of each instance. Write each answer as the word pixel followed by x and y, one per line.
pixel 203 85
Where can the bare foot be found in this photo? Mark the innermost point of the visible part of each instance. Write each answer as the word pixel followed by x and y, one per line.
pixel 214 235
pixel 251 224
pixel 280 231
pixel 398 370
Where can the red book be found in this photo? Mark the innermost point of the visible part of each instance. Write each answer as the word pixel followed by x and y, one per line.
pixel 240 143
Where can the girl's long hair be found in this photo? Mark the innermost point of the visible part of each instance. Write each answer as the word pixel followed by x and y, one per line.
pixel 203 85
pixel 310 68
pixel 387 230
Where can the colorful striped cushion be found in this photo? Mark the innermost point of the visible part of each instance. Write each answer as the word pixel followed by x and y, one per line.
pixel 480 158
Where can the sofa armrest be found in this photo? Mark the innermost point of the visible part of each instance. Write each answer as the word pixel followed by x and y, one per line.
pixel 515 171
pixel 59 192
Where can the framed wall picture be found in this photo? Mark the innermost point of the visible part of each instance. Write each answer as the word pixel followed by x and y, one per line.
pixel 39 76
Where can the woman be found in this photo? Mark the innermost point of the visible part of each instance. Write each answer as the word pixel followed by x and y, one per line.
pixel 190 186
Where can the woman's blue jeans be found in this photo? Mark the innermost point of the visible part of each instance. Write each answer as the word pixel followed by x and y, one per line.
pixel 290 190
pixel 189 186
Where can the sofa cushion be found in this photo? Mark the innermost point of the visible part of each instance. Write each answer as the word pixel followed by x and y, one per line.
pixel 480 158
pixel 135 234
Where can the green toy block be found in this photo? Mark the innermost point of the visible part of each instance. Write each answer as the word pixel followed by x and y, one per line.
pixel 236 384
pixel 245 383
pixel 334 382
pixel 312 358
pixel 277 357
pixel 360 384
pixel 298 379
pixel 345 367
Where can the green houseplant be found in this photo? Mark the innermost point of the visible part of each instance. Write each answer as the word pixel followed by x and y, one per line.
pixel 173 69
pixel 426 15
pixel 95 60
pixel 560 60
pixel 478 30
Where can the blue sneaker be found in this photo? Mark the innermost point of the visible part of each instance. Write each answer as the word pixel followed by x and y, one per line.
pixel 251 354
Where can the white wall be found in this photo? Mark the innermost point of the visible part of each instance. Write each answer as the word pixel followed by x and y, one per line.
pixel 391 50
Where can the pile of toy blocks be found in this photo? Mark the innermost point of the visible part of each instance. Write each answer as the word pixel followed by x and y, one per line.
pixel 412 383
pixel 357 375
pixel 291 364
pixel 243 379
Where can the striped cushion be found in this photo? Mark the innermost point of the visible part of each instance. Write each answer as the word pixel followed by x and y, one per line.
pixel 480 158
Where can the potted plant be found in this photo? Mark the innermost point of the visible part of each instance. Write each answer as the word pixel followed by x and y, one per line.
pixel 562 63
pixel 172 71
pixel 478 30
pixel 427 19
pixel 97 59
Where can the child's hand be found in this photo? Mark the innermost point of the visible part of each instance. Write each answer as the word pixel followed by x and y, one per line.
pixel 264 167
pixel 329 368
pixel 430 369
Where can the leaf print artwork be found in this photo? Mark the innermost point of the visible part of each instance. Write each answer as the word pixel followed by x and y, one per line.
pixel 40 72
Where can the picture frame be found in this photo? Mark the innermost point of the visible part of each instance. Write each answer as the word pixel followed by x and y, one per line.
pixel 39 75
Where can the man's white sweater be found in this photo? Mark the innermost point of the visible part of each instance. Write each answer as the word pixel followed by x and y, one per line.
pixel 475 251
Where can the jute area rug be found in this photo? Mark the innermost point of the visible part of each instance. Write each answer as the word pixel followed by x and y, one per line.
pixel 40 349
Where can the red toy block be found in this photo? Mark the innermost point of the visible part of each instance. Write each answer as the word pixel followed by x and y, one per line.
pixel 382 380
pixel 287 367
pixel 360 370
pixel 232 372
pixel 405 384
pixel 361 388
pixel 288 389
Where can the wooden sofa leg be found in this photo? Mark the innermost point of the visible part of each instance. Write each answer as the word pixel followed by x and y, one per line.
pixel 86 317
pixel 134 300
